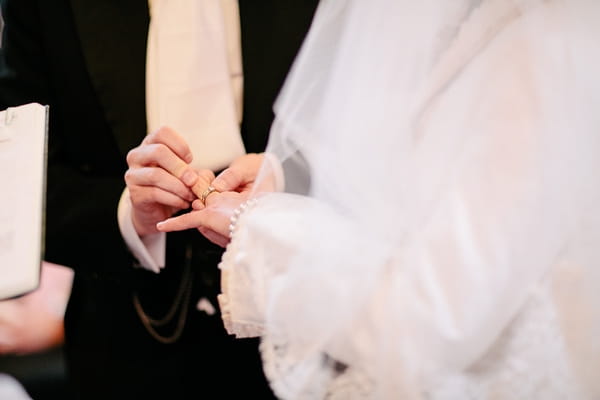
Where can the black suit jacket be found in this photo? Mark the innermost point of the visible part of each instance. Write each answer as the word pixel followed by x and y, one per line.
pixel 86 59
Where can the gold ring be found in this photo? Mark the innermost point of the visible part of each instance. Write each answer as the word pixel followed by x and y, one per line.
pixel 207 193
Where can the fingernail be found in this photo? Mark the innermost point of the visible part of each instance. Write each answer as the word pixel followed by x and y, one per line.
pixel 197 205
pixel 216 183
pixel 189 177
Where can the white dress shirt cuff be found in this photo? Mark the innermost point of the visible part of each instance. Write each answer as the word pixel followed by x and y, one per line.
pixel 149 250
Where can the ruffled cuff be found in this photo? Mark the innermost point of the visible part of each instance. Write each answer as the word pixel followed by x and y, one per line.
pixel 238 301
pixel 237 328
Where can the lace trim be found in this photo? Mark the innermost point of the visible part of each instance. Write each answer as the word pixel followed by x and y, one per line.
pixel 233 325
pixel 528 361
pixel 314 377
pixel 237 328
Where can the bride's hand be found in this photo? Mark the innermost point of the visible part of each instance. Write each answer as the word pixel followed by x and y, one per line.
pixel 212 219
pixel 241 176
pixel 231 188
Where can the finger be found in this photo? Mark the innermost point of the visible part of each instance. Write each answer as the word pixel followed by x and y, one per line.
pixel 158 154
pixel 146 197
pixel 205 177
pixel 225 202
pixel 198 205
pixel 175 144
pixel 228 180
pixel 241 172
pixel 215 217
pixel 193 219
pixel 173 140
pixel 158 177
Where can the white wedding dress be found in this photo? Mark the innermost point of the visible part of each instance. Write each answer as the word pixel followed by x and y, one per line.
pixel 445 243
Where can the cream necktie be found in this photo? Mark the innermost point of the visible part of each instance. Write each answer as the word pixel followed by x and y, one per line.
pixel 194 76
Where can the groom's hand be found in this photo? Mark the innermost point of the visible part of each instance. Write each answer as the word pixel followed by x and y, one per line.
pixel 159 179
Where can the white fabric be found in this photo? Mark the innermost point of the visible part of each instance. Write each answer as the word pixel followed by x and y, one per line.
pixel 194 84
pixel 194 76
pixel 447 248
pixel 276 169
pixel 11 389
pixel 150 250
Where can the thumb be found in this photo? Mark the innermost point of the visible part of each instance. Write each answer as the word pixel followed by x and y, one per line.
pixel 228 181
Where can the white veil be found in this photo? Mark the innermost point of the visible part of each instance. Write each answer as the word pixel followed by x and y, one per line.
pixel 449 151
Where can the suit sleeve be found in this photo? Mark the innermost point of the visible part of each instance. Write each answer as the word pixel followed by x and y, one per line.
pixel 81 202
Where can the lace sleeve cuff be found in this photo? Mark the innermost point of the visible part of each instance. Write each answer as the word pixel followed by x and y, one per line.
pixel 242 316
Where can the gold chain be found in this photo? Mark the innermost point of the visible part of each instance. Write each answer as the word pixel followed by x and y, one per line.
pixel 181 302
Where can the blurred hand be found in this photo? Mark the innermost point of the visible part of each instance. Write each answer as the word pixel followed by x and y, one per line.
pixel 34 322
